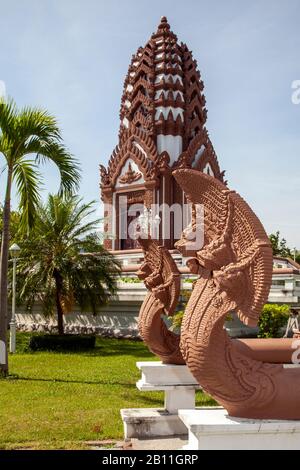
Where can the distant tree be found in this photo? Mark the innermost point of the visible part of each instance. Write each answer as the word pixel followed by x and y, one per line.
pixel 279 245
pixel 64 263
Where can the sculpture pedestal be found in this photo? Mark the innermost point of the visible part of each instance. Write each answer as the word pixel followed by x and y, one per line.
pixel 214 429
pixel 179 386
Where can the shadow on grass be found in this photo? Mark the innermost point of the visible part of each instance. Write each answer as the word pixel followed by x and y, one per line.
pixel 119 347
pixel 126 385
pixel 105 347
pixel 71 381
pixel 102 351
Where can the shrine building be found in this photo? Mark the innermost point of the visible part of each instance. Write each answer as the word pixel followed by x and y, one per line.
pixel 162 127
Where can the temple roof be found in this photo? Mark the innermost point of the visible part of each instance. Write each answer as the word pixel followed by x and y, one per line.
pixel 163 90
pixel 162 113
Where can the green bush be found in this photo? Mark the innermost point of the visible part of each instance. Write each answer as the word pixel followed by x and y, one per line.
pixel 130 280
pixel 189 280
pixel 47 342
pixel 272 319
pixel 176 321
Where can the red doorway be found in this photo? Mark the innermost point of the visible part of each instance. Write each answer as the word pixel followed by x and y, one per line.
pixel 127 219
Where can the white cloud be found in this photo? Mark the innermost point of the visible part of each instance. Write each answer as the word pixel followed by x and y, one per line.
pixel 296 93
pixel 2 88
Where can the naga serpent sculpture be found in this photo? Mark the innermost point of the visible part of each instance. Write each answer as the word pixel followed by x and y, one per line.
pixel 247 377
pixel 162 278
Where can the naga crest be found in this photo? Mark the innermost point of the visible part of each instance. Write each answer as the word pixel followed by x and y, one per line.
pixel 236 249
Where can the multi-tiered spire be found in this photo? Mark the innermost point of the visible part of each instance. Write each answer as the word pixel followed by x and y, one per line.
pixel 163 90
pixel 162 118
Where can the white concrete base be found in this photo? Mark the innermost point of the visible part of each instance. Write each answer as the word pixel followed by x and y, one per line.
pixel 214 429
pixel 156 373
pixel 176 381
pixel 151 422
pixel 179 386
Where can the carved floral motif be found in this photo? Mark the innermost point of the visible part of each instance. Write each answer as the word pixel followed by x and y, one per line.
pixel 130 176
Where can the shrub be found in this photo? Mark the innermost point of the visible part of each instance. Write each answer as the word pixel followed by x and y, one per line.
pixel 272 319
pixel 176 319
pixel 189 280
pixel 130 280
pixel 46 342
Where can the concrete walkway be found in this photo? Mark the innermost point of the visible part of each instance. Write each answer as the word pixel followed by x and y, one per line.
pixel 160 443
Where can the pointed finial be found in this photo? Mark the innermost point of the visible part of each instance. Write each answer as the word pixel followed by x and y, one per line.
pixel 163 25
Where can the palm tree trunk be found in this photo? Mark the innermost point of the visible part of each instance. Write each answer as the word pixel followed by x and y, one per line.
pixel 59 310
pixel 4 274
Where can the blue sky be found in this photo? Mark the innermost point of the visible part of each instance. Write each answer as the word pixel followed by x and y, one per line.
pixel 71 56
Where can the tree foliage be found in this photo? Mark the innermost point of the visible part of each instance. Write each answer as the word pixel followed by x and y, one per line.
pixel 279 245
pixel 63 261
pixel 29 137
pixel 14 233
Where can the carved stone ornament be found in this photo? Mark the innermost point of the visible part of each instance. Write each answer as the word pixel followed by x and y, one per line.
pixel 247 377
pixel 130 176
pixel 162 278
pixel 105 179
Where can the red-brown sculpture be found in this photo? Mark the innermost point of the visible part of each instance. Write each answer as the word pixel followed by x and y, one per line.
pixel 235 268
pixel 162 278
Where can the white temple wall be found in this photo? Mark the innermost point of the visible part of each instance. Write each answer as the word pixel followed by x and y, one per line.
pixel 171 144
pixel 119 317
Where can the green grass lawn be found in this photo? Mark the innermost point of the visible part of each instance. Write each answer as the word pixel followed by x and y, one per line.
pixel 61 400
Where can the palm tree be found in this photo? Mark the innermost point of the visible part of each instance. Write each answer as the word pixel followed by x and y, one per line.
pixel 28 137
pixel 14 229
pixel 64 262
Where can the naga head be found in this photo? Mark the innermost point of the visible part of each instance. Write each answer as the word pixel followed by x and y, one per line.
pixel 235 252
pixel 207 237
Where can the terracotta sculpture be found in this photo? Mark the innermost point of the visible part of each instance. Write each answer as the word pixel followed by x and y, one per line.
pixel 247 377
pixel 161 276
pixel 235 266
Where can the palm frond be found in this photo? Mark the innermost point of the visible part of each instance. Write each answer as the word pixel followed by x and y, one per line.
pixel 28 184
pixel 37 122
pixel 8 113
pixel 4 146
pixel 34 131
pixel 67 165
